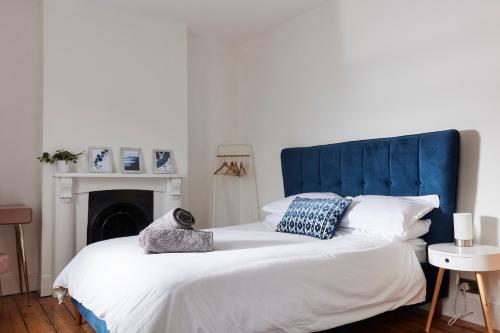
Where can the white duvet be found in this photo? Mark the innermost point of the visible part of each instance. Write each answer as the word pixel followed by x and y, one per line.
pixel 256 280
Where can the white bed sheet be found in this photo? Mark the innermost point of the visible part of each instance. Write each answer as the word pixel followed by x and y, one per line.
pixel 256 280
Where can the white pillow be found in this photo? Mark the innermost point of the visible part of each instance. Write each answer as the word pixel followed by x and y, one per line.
pixel 389 216
pixel 280 206
pixel 417 230
pixel 272 220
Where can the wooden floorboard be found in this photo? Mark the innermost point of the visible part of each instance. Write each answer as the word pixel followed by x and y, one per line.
pixel 10 318
pixel 45 315
pixel 34 317
pixel 59 316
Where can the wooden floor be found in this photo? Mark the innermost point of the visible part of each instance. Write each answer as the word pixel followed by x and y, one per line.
pixel 46 316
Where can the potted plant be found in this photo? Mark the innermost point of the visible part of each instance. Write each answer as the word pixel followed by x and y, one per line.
pixel 62 158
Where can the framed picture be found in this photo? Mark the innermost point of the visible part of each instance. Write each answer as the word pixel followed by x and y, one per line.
pixel 100 159
pixel 163 161
pixel 131 160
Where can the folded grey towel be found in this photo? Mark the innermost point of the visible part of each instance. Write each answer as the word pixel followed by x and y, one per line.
pixel 173 233
pixel 158 239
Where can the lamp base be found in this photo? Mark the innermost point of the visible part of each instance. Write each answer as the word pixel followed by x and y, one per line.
pixel 463 242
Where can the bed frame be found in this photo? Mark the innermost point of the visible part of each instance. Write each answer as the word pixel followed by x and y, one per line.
pixel 409 165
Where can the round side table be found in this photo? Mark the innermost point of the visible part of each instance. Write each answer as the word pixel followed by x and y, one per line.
pixel 478 259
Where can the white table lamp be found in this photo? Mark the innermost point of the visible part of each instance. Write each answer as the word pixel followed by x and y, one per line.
pixel 462 223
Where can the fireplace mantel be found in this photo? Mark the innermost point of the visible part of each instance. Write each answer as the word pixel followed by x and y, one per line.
pixel 117 175
pixel 66 225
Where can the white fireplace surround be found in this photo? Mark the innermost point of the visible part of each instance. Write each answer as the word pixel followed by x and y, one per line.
pixel 70 212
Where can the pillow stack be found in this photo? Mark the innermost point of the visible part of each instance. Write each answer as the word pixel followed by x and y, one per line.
pixel 395 218
pixel 318 214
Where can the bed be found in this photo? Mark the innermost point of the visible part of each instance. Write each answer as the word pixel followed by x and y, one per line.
pixel 258 280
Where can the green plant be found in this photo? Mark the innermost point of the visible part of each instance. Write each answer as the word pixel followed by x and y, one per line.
pixel 59 155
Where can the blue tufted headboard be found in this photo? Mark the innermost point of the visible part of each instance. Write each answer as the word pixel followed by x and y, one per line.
pixel 409 165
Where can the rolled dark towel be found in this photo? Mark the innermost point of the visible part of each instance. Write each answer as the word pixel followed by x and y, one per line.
pixel 177 218
pixel 184 218
pixel 157 239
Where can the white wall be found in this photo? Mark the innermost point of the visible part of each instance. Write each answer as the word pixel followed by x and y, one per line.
pixel 212 121
pixel 20 128
pixel 114 78
pixel 354 69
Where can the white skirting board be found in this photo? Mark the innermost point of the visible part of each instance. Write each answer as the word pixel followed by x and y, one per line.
pixel 10 282
pixel 473 304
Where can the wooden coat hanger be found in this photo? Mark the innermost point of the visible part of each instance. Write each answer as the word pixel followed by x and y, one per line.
pixel 242 168
pixel 232 171
pixel 224 165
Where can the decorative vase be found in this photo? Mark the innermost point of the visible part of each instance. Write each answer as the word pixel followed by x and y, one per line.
pixel 63 166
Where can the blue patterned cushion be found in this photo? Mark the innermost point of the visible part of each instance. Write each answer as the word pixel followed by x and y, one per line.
pixel 313 217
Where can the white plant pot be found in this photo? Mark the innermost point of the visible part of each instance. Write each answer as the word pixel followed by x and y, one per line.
pixel 63 166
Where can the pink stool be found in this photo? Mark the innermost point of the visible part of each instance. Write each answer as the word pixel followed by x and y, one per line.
pixel 4 267
pixel 17 216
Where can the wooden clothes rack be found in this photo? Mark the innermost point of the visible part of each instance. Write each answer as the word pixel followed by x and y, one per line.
pixel 234 160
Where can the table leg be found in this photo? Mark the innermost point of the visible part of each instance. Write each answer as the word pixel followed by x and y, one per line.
pixel 1 297
pixel 22 254
pixel 484 301
pixel 19 260
pixel 435 297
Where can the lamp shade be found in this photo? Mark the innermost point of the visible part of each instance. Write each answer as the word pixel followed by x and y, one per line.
pixel 462 223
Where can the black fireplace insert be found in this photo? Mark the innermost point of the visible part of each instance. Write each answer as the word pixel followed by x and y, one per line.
pixel 118 213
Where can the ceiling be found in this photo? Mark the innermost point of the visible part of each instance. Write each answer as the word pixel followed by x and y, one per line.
pixel 228 20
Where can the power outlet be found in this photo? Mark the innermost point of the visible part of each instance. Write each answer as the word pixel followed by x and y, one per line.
pixel 469 285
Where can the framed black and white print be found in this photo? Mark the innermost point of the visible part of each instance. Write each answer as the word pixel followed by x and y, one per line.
pixel 163 161
pixel 100 159
pixel 131 160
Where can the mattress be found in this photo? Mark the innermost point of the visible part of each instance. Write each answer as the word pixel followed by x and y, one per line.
pixel 419 247
pixel 256 280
